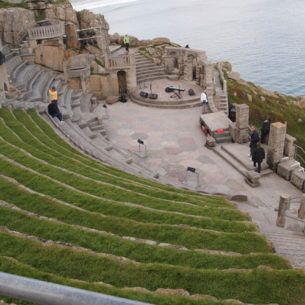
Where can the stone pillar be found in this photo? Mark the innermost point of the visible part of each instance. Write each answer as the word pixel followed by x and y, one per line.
pixel 72 37
pixel 289 148
pixel 301 211
pixel 283 207
pixel 242 123
pixel 276 144
pixel 188 68
pixel 131 75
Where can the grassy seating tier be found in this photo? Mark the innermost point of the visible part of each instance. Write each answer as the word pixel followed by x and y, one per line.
pixel 69 219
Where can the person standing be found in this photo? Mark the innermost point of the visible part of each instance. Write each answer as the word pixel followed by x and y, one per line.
pixel 126 42
pixel 204 101
pixel 265 130
pixel 254 139
pixel 53 109
pixel 258 156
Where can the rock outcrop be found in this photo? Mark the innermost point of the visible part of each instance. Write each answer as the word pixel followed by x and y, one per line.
pixel 14 23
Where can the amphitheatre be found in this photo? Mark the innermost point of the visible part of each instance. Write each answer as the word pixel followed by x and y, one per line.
pixel 149 201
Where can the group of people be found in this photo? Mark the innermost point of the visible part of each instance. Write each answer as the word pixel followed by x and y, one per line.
pixel 257 152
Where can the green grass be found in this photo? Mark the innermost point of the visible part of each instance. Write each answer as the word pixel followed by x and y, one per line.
pixel 10 265
pixel 177 195
pixel 191 238
pixel 4 4
pixel 258 285
pixel 277 108
pixel 185 195
pixel 78 201
pixel 12 193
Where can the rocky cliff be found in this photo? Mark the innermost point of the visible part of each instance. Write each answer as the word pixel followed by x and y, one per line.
pixel 14 23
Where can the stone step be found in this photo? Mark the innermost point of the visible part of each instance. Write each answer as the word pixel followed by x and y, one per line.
pixel 151 78
pixel 97 128
pixel 150 74
pixel 166 106
pixel 242 162
pixel 33 80
pixel 12 63
pixel 17 70
pixel 265 172
pixel 229 159
pixel 146 65
pixel 149 69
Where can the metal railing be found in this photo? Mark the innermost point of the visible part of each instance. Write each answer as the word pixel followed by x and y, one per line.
pixel 299 154
pixel 46 293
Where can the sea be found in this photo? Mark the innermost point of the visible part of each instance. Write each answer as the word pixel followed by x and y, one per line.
pixel 264 40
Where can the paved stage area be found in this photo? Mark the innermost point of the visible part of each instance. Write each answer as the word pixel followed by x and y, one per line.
pixel 158 86
pixel 174 141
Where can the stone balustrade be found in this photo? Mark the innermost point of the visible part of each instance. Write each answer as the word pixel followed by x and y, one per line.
pixel 79 73
pixel 46 32
pixel 122 61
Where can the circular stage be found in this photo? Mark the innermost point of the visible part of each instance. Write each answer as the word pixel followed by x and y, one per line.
pixel 153 94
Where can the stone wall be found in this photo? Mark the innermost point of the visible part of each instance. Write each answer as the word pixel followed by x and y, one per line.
pixel 50 56
pixel 103 86
pixel 89 20
pixel 186 63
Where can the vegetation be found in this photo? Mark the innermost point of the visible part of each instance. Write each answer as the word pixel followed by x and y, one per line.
pixel 4 4
pixel 277 107
pixel 68 219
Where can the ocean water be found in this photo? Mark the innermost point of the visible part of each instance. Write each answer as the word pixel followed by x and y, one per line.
pixel 263 39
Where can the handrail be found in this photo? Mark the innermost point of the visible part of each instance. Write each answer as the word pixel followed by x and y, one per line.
pixel 297 155
pixel 294 217
pixel 46 293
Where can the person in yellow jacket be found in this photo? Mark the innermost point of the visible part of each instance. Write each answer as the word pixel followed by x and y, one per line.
pixel 53 109
pixel 126 42
pixel 53 94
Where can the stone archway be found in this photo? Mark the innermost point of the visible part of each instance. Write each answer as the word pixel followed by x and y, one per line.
pixel 122 82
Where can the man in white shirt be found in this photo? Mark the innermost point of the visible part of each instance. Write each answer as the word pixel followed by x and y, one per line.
pixel 204 101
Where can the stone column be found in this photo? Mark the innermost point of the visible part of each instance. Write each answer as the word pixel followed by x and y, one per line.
pixel 289 149
pixel 276 144
pixel 242 123
pixel 283 207
pixel 301 211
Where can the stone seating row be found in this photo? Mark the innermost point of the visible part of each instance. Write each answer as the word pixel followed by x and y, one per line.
pixel 78 137
pixel 84 126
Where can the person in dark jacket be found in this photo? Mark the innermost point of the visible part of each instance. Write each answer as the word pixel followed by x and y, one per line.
pixel 258 156
pixel 265 130
pixel 254 139
pixel 54 111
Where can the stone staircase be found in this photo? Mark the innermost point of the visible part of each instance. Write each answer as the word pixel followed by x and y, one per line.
pixel 242 165
pixel 147 70
pixel 289 244
pixel 221 98
pixel 84 128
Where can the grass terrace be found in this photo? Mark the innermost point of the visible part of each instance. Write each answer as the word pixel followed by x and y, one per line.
pixel 69 219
